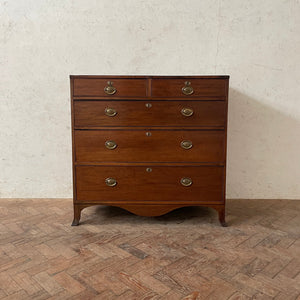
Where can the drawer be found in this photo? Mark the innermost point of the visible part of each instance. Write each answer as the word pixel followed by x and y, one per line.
pixel 176 88
pixel 149 146
pixel 115 87
pixel 136 183
pixel 149 113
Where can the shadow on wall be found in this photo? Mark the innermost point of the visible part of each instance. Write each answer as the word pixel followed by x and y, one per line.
pixel 263 150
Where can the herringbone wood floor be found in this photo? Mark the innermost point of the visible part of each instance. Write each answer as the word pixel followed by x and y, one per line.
pixel 182 255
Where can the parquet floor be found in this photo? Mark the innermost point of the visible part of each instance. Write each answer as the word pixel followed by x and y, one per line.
pixel 185 254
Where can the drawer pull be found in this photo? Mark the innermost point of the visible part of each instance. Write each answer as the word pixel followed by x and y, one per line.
pixel 148 105
pixel 110 181
pixel 186 145
pixel 111 112
pixel 187 89
pixel 110 89
pixel 187 112
pixel 185 181
pixel 110 145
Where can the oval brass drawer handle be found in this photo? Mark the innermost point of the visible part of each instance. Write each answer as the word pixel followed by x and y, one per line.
pixel 111 112
pixel 110 145
pixel 187 112
pixel 187 89
pixel 111 181
pixel 186 145
pixel 110 89
pixel 185 181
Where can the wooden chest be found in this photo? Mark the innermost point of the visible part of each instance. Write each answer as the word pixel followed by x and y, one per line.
pixel 149 144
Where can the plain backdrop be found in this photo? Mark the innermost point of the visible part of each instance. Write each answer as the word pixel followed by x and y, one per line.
pixel 256 42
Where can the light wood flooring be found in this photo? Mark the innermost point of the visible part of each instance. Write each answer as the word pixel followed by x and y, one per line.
pixel 114 254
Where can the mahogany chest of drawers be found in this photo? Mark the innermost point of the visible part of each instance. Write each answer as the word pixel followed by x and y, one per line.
pixel 149 144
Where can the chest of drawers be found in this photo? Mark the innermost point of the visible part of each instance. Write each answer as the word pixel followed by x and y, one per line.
pixel 149 144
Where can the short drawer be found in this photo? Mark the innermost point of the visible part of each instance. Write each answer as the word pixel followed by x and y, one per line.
pixel 149 146
pixel 149 113
pixel 189 88
pixel 149 183
pixel 110 87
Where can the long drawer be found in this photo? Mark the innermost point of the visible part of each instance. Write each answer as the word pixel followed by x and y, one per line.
pixel 149 146
pixel 149 113
pixel 149 183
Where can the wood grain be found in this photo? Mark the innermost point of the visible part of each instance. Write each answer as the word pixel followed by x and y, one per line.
pixel 125 87
pixel 172 88
pixel 161 185
pixel 161 146
pixel 161 113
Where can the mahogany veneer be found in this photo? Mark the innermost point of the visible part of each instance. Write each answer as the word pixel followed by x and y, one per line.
pixel 206 113
pixel 149 144
pixel 163 181
pixel 162 146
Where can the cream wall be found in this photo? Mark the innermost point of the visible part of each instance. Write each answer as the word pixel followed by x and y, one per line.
pixel 256 42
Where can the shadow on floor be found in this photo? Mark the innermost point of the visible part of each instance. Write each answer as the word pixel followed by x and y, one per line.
pixel 115 215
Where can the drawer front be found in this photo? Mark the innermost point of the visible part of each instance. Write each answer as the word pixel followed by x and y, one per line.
pixel 188 88
pixel 116 88
pixel 138 183
pixel 149 146
pixel 149 113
